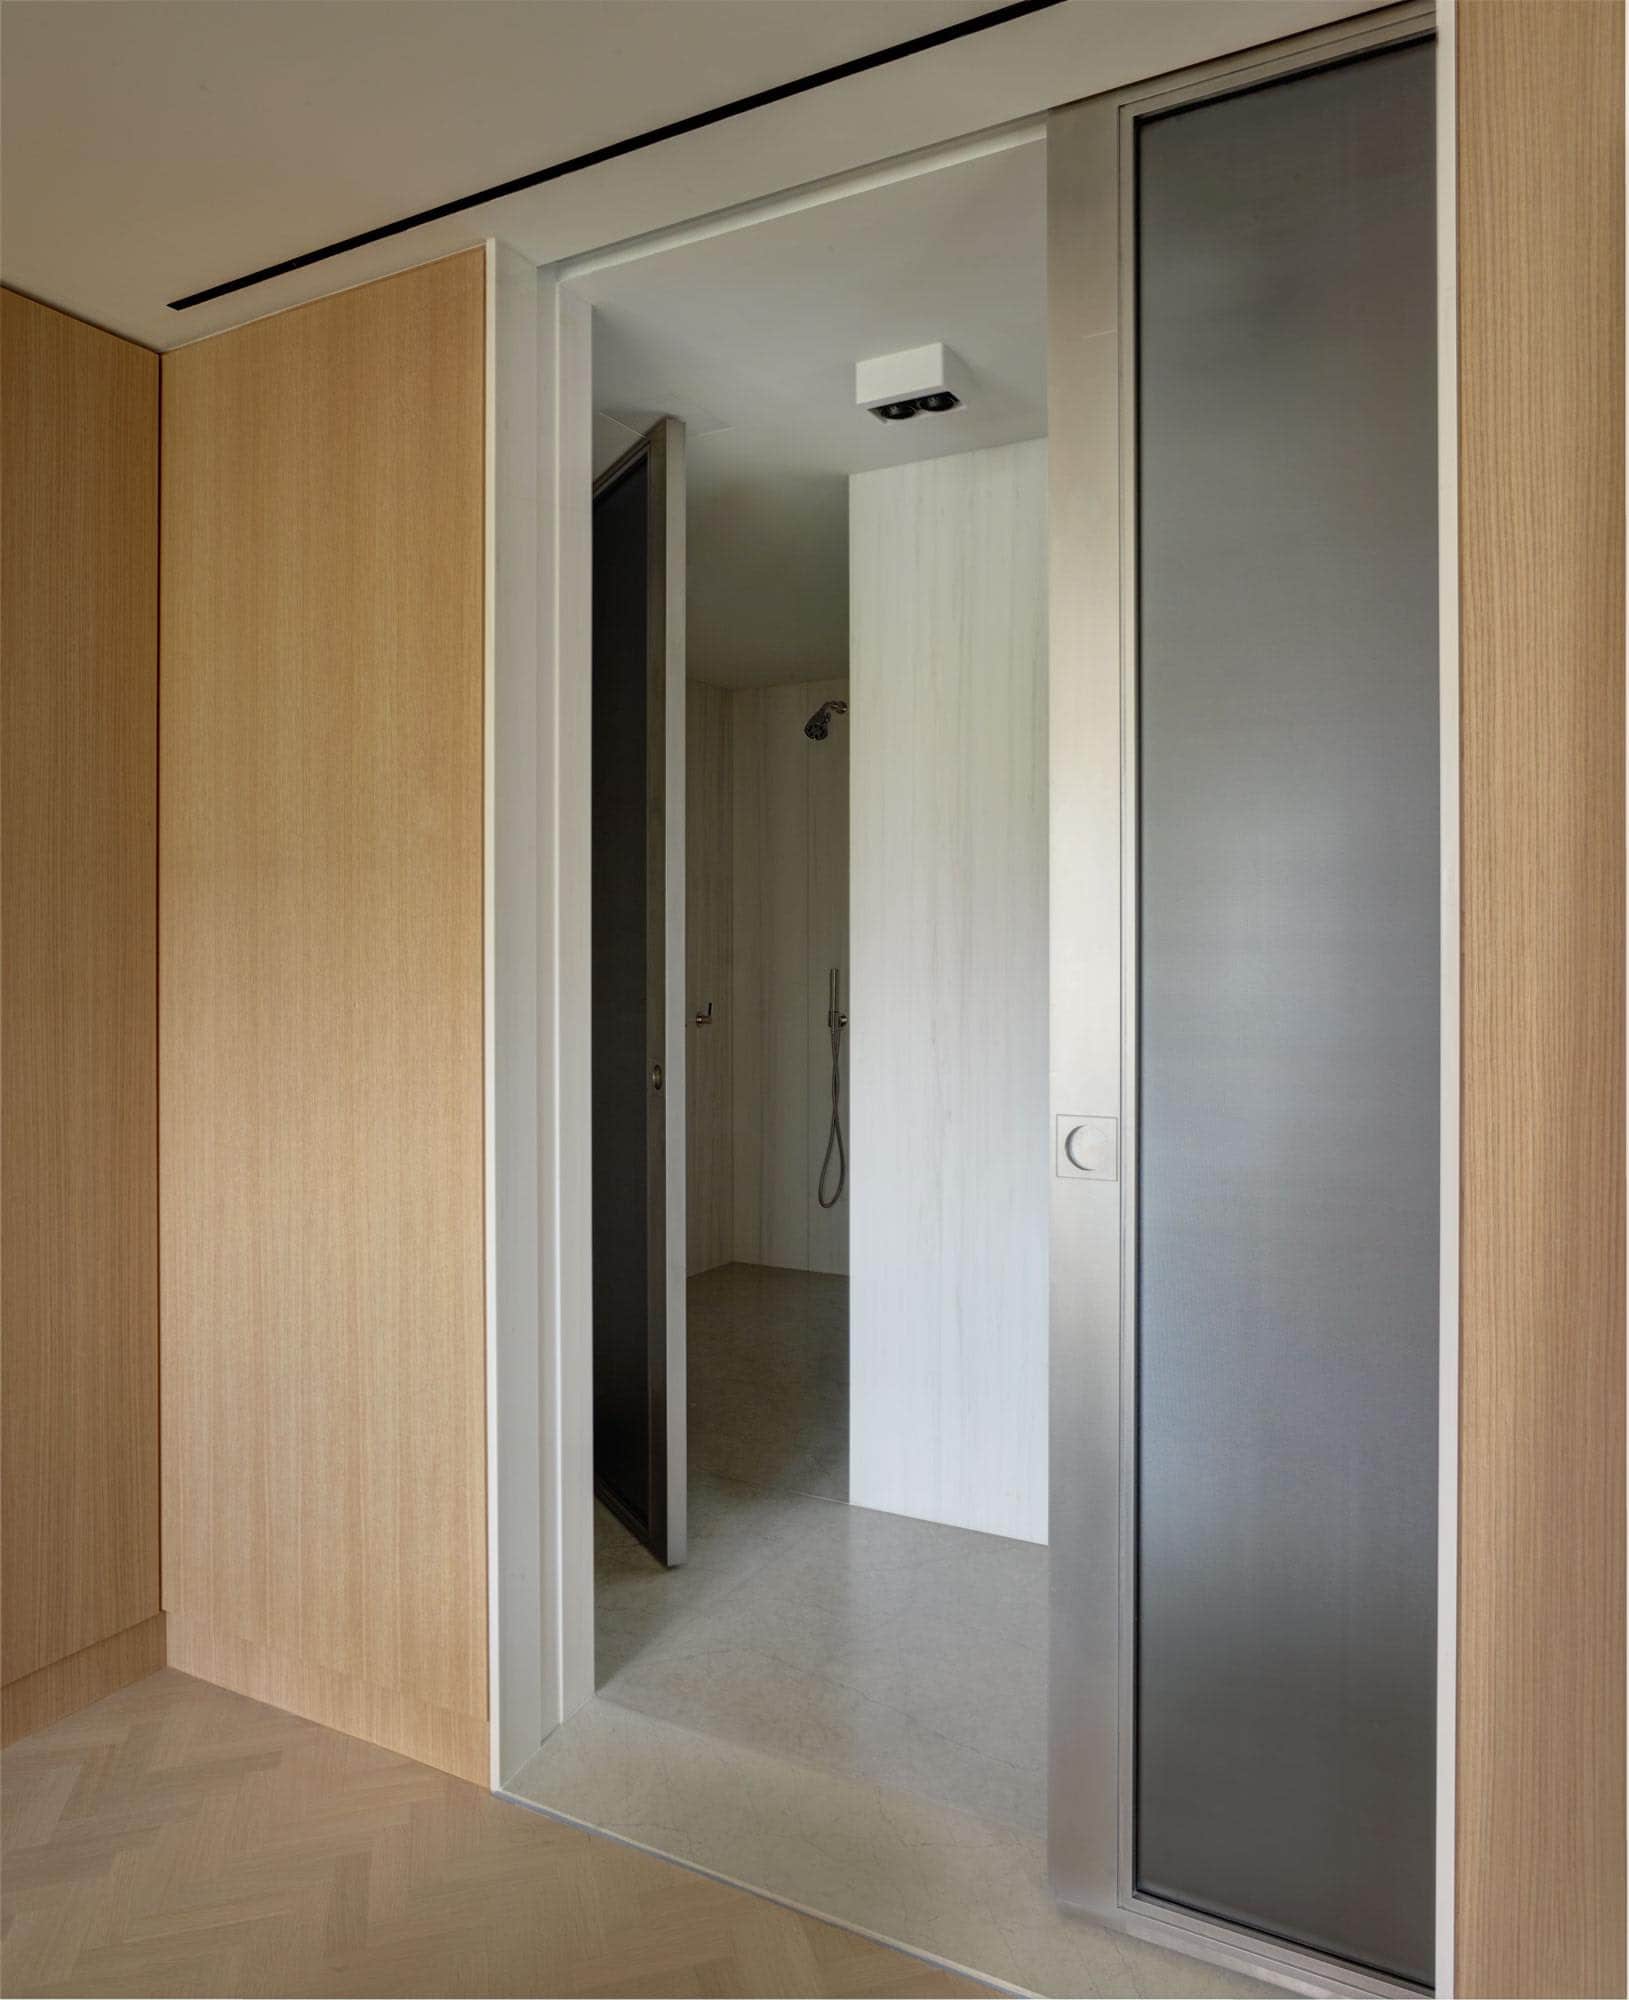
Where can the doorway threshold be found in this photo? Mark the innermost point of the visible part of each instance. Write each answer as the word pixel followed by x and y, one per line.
pixel 970 1893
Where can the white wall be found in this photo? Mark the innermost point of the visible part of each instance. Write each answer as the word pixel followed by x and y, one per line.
pixel 951 1150
pixel 708 873
pixel 790 925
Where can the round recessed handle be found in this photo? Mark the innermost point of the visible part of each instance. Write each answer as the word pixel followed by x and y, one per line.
pixel 1087 1147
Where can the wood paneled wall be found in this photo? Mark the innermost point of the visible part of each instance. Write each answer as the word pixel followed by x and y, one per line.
pixel 78 1217
pixel 321 866
pixel 1540 1788
pixel 948 1314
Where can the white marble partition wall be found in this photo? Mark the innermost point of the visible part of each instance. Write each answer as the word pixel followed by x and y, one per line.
pixel 948 1293
pixel 790 905
pixel 708 861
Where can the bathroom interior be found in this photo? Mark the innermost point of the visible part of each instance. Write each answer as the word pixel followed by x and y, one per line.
pixel 860 1619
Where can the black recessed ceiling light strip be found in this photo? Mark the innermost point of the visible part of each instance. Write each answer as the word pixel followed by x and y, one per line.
pixel 759 98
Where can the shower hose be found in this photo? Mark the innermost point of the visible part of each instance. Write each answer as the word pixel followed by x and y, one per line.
pixel 836 1021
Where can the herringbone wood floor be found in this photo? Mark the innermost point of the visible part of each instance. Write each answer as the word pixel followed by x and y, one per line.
pixel 178 1839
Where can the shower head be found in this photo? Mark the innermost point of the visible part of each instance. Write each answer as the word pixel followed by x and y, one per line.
pixel 818 727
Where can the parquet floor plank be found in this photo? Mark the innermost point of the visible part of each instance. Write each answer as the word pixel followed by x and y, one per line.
pixel 178 1839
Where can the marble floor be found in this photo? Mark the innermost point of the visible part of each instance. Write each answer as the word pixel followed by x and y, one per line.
pixel 843 1708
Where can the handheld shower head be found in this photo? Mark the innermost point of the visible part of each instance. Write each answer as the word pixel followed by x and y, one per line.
pixel 818 727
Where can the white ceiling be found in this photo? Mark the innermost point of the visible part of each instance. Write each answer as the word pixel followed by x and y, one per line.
pixel 751 336
pixel 151 148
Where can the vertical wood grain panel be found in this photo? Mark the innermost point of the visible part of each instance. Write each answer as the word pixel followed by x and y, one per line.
pixel 34 1701
pixel 321 973
pixel 79 1221
pixel 707 953
pixel 948 1229
pixel 1540 1763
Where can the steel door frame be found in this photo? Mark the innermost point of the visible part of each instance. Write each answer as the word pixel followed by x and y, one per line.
pixel 1094 859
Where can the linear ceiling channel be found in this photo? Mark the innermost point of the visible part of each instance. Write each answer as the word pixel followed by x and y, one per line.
pixel 776 94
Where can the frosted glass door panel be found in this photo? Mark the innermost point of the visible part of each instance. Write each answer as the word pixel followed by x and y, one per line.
pixel 1288 1010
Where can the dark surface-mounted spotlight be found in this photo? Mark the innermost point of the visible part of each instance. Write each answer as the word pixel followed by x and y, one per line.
pixel 916 382
pixel 894 413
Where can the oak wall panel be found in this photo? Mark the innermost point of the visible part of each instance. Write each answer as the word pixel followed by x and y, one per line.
pixel 78 1034
pixel 321 970
pixel 34 1701
pixel 1540 1750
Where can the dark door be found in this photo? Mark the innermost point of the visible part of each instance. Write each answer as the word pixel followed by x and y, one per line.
pixel 638 1081
pixel 1288 955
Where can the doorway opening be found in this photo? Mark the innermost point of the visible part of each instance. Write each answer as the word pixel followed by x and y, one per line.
pixel 856 1612
pixel 827 1698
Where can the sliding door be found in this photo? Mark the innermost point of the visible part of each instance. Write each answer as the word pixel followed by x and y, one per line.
pixel 1269 1307
pixel 1286 972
